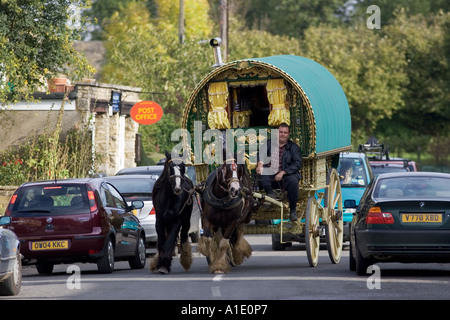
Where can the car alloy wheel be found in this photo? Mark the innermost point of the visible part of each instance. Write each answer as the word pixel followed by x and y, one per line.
pixel 106 263
pixel 138 260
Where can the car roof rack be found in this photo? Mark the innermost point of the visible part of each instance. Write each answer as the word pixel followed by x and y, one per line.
pixel 374 150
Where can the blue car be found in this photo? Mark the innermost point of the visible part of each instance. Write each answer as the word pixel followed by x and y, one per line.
pixel 10 260
pixel 355 173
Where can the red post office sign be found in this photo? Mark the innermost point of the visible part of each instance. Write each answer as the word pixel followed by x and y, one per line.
pixel 146 112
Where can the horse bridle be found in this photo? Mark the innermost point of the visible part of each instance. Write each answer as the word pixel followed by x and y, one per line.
pixel 228 182
pixel 174 177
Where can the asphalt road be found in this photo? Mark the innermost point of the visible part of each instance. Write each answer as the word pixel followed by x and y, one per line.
pixel 267 275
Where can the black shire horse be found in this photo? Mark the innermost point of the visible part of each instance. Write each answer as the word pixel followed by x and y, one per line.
pixel 172 199
pixel 227 203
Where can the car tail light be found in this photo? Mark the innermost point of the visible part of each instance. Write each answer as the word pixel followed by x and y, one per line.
pixel 376 216
pixel 92 202
pixel 10 205
pixel 153 211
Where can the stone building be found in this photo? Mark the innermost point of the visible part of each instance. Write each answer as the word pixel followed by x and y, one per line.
pixel 105 108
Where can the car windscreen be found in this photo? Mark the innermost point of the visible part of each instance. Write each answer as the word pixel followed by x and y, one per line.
pixel 412 187
pixel 52 199
pixel 352 172
pixel 134 189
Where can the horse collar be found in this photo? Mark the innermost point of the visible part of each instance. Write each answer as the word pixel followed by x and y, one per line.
pixel 218 203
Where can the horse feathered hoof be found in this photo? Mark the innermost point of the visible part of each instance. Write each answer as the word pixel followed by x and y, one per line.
pixel 186 256
pixel 218 272
pixel 163 270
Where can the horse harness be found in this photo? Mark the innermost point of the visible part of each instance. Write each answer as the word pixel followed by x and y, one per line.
pixel 189 191
pixel 225 203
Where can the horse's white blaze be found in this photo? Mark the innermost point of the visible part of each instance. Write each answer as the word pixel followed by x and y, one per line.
pixel 235 181
pixel 177 177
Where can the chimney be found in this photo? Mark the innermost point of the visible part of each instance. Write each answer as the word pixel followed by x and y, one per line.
pixel 215 43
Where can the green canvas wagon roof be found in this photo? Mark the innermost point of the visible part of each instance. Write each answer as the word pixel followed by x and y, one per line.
pixel 325 94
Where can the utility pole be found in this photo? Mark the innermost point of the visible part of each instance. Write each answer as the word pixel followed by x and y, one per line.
pixel 181 22
pixel 224 27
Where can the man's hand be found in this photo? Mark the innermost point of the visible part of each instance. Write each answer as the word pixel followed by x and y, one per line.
pixel 259 168
pixel 280 175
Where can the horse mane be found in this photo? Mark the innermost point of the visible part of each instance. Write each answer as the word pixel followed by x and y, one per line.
pixel 160 185
pixel 246 181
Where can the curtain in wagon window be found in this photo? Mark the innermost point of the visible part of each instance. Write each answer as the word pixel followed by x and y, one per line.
pixel 276 93
pixel 217 115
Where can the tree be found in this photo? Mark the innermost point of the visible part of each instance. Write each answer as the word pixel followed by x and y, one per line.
pixel 423 43
pixel 144 51
pixel 389 9
pixel 36 42
pixel 369 68
pixel 291 17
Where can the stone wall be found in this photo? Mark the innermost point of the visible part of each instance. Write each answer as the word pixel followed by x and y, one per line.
pixel 115 133
pixel 88 105
pixel 5 195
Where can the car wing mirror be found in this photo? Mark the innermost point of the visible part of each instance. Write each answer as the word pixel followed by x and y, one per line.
pixel 137 204
pixel 5 220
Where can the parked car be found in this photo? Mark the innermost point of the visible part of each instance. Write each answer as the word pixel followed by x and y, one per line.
pixel 77 220
pixel 402 217
pixel 10 260
pixel 387 166
pixel 139 187
pixel 195 228
pixel 148 170
pixel 355 175
pixel 393 165
pixel 381 162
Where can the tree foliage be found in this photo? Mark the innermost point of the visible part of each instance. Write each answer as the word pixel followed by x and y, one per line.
pixel 144 51
pixel 369 68
pixel 395 79
pixel 290 17
pixel 36 42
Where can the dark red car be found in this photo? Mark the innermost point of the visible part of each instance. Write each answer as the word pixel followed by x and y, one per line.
pixel 77 220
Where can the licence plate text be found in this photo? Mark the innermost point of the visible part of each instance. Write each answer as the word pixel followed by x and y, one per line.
pixel 50 245
pixel 422 217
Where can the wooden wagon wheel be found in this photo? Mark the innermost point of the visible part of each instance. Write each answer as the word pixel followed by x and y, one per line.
pixel 334 224
pixel 312 232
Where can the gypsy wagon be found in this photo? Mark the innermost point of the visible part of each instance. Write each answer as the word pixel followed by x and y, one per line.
pixel 261 93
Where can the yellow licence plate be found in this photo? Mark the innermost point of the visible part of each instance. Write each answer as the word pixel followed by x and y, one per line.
pixel 422 217
pixel 49 245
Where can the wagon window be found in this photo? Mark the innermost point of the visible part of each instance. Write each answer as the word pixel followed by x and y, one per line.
pixel 243 104
pixel 250 106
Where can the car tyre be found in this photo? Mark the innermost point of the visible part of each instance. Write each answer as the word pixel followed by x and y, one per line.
pixel 44 267
pixel 138 260
pixel 351 260
pixel 361 263
pixel 276 243
pixel 11 285
pixel 106 263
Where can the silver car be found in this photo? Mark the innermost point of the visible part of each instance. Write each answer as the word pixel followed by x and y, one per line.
pixel 10 260
pixel 155 171
pixel 139 187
